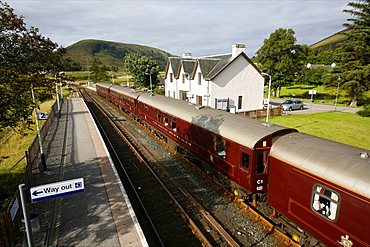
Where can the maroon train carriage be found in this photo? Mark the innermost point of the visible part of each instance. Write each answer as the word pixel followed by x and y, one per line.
pixel 103 89
pixel 123 97
pixel 322 186
pixel 233 145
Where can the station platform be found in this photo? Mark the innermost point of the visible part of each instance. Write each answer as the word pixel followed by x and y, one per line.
pixel 101 215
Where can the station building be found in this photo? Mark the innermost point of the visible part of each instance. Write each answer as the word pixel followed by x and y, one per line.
pixel 226 82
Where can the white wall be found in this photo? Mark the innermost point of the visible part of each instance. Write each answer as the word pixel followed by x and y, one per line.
pixel 170 87
pixel 240 78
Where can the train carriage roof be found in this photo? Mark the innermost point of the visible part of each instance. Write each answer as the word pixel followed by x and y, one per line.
pixel 104 84
pixel 334 161
pixel 243 130
pixel 124 90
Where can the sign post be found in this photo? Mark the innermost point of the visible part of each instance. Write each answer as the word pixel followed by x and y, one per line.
pixel 312 92
pixel 26 215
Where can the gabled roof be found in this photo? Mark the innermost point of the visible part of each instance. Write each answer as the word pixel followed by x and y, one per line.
pixel 210 66
pixel 189 66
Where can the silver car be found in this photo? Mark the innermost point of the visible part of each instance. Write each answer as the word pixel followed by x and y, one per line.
pixel 289 105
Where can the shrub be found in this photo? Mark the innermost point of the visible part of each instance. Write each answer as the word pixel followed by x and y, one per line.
pixel 365 112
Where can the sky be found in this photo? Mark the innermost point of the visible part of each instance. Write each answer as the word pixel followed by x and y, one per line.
pixel 202 28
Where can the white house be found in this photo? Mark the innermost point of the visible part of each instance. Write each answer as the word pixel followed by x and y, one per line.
pixel 228 81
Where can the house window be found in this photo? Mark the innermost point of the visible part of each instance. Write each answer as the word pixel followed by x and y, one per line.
pixel 173 124
pixel 325 202
pixel 220 147
pixel 240 101
pixel 183 95
pixel 199 78
pixel 222 104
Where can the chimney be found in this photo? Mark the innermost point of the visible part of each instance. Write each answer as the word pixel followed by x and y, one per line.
pixel 237 49
pixel 186 55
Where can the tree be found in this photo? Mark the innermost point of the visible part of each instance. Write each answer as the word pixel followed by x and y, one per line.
pixel 142 69
pixel 27 60
pixel 99 73
pixel 353 72
pixel 281 57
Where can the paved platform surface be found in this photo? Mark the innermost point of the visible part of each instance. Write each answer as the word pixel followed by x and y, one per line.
pixel 102 214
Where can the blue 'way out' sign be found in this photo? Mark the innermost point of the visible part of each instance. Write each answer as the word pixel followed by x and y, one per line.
pixel 48 191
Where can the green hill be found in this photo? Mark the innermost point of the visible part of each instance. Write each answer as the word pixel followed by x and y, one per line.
pixel 332 42
pixel 111 53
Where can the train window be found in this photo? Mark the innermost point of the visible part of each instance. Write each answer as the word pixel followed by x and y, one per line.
pixel 146 107
pixel 261 161
pixel 165 119
pixel 220 147
pixel 325 202
pixel 173 124
pixel 159 116
pixel 245 160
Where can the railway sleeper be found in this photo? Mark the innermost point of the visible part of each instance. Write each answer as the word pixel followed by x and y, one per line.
pixel 170 214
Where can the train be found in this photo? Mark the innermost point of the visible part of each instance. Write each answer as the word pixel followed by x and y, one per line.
pixel 319 189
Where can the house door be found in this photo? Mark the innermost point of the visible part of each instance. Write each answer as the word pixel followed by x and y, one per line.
pixel 198 100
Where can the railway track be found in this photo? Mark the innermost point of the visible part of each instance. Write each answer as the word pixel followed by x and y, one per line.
pixel 179 208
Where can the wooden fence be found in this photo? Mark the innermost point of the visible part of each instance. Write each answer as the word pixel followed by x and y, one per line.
pixel 262 113
pixel 11 219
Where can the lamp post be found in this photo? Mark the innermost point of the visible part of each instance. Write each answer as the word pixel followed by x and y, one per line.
pixel 336 98
pixel 268 97
pixel 87 68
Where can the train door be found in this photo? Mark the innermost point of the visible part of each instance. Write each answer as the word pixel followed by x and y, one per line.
pixel 260 177
pixel 244 172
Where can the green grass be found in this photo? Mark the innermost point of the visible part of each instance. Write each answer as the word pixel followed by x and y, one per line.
pixel 350 129
pixel 82 77
pixel 335 38
pixel 12 149
pixel 323 94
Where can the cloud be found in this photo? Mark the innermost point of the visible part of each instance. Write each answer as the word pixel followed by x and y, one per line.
pixel 200 27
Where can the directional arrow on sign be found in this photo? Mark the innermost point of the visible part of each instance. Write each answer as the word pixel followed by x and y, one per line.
pixel 35 193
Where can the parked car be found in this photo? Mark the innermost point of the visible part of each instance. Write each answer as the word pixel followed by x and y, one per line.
pixel 289 105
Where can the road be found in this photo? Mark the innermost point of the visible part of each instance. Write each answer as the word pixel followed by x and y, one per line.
pixel 314 108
